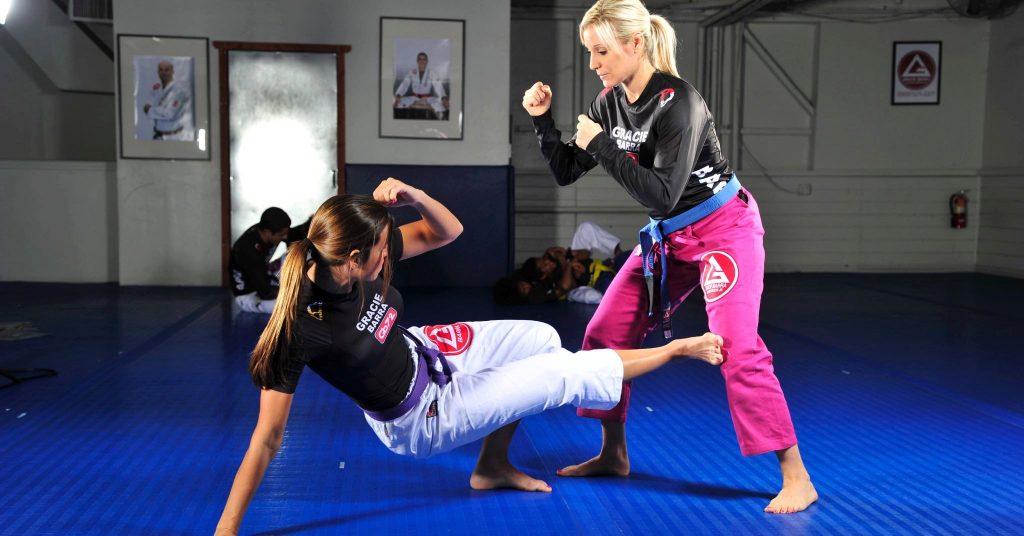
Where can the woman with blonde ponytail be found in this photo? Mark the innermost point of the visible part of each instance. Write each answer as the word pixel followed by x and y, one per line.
pixel 424 390
pixel 653 133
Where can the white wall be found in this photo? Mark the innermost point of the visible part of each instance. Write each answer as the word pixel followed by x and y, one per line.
pixel 858 129
pixel 169 212
pixel 1001 240
pixel 58 222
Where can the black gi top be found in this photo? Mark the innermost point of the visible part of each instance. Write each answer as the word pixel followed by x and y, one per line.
pixel 668 131
pixel 360 351
pixel 248 264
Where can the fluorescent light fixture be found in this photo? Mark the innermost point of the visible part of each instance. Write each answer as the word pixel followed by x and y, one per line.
pixel 5 7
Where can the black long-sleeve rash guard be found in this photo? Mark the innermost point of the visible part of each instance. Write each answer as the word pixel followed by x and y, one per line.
pixel 662 149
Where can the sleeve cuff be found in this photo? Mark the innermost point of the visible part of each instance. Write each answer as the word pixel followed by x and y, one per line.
pixel 543 121
pixel 599 144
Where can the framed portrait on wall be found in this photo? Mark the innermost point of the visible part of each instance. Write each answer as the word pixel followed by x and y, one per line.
pixel 164 106
pixel 421 78
pixel 916 66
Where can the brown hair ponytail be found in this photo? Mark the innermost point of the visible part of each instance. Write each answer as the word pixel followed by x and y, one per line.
pixel 277 336
pixel 343 224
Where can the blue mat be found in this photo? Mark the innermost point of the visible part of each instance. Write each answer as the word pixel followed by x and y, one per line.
pixel 904 390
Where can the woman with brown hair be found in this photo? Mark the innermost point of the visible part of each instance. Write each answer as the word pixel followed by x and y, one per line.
pixel 424 390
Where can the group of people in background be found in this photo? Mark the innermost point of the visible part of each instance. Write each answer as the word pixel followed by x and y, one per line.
pixel 572 274
pixel 338 315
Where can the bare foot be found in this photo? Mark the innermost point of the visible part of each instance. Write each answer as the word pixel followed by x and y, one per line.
pixel 707 347
pixel 505 477
pixel 795 496
pixel 598 466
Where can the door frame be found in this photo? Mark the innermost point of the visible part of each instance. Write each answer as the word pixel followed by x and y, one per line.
pixel 223 48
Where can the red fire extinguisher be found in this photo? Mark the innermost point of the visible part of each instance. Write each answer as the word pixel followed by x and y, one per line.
pixel 958 210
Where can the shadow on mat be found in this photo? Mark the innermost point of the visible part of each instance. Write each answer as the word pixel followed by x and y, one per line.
pixel 342 520
pixel 697 488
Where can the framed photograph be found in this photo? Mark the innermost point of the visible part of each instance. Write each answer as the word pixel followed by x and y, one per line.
pixel 916 66
pixel 164 102
pixel 421 78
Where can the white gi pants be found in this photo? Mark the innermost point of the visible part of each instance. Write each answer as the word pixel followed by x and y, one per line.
pixel 251 303
pixel 590 235
pixel 502 371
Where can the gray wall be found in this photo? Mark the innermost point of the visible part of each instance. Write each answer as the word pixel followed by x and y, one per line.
pixel 880 176
pixel 58 221
pixel 41 122
pixel 1001 239
pixel 169 212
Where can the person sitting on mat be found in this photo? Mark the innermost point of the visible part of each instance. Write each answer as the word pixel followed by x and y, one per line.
pixel 424 390
pixel 252 266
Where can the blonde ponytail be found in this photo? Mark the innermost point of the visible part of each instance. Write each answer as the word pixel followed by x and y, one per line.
pixel 662 46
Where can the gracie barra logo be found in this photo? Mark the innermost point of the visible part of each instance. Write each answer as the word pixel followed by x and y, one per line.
pixel 452 339
pixel 378 319
pixel 629 140
pixel 665 96
pixel 718 276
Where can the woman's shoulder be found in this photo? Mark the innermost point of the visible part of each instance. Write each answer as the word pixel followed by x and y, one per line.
pixel 680 86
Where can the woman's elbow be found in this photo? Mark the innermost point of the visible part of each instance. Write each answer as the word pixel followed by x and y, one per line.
pixel 268 440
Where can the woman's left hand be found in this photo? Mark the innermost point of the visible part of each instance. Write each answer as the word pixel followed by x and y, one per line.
pixel 585 131
pixel 392 192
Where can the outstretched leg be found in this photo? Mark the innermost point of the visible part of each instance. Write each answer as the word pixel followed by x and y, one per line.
pixel 494 471
pixel 494 399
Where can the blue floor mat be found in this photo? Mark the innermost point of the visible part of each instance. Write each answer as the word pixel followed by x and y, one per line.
pixel 905 391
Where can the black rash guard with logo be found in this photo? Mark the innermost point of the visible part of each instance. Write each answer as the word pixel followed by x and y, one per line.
pixel 358 350
pixel 663 149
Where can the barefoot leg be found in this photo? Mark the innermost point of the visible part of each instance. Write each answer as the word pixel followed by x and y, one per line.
pixel 494 471
pixel 613 460
pixel 797 490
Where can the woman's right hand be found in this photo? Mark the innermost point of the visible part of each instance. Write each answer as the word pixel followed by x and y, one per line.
pixel 537 99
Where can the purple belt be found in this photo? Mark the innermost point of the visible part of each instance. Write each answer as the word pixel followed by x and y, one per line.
pixel 426 370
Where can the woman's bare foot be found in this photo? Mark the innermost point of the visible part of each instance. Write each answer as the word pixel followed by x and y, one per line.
pixel 707 347
pixel 599 465
pixel 505 476
pixel 795 496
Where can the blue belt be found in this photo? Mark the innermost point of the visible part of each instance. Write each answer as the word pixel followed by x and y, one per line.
pixel 425 371
pixel 654 233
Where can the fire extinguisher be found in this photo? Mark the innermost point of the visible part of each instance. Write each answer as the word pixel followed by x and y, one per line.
pixel 958 210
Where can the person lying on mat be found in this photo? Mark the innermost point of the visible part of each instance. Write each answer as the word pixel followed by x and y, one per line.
pixel 424 390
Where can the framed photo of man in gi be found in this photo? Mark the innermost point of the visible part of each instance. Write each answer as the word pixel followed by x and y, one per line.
pixel 421 78
pixel 163 97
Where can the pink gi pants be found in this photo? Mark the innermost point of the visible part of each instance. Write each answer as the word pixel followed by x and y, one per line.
pixel 724 254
